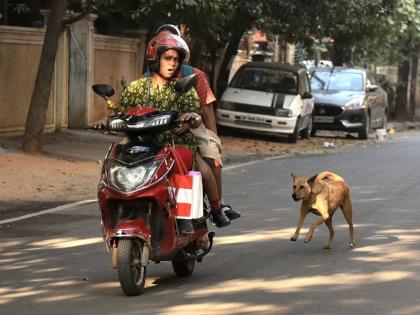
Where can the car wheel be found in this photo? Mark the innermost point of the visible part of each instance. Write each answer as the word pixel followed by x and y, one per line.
pixel 364 131
pixel 307 132
pixel 292 138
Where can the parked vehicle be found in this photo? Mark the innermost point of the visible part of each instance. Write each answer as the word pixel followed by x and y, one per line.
pixel 138 202
pixel 348 99
pixel 311 64
pixel 270 98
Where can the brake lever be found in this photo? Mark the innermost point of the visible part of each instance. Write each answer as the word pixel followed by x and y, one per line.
pixel 179 121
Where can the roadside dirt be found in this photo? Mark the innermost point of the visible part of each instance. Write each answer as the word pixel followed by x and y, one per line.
pixel 27 180
pixel 35 182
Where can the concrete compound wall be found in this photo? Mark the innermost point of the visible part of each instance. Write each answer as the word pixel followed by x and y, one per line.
pixel 20 50
pixel 116 61
pixel 83 58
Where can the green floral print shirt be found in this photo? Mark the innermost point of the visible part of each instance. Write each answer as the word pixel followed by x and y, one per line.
pixel 163 99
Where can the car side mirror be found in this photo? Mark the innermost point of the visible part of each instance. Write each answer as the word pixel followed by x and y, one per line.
pixel 185 84
pixel 372 88
pixel 104 90
pixel 306 95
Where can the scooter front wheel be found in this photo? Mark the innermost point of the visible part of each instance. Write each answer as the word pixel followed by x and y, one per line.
pixel 131 274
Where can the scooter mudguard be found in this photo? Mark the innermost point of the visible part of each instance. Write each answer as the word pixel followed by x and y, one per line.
pixel 135 228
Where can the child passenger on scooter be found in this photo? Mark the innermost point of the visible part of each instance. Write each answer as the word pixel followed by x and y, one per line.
pixel 165 55
pixel 208 143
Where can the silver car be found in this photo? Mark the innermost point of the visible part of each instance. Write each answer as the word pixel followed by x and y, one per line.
pixel 269 98
pixel 348 99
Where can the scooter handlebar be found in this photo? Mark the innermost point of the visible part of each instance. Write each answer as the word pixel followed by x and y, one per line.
pixel 190 120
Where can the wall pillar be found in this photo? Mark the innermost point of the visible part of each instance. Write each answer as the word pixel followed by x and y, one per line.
pixel 141 35
pixel 81 71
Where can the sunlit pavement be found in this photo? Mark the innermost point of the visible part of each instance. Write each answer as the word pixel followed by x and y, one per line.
pixel 58 264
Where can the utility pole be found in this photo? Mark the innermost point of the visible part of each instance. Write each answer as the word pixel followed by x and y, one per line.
pixel 276 49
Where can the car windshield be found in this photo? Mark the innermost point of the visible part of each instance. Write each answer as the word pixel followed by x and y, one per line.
pixel 266 80
pixel 336 81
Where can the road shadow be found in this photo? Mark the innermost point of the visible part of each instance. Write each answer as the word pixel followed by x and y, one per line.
pixel 253 269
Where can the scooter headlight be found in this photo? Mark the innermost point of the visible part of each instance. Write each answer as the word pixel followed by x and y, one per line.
pixel 132 178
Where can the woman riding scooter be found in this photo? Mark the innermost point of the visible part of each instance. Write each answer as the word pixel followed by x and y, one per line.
pixel 165 55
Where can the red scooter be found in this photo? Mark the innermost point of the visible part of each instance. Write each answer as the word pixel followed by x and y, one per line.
pixel 137 200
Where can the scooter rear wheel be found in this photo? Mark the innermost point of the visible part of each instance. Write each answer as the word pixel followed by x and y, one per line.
pixel 183 266
pixel 131 274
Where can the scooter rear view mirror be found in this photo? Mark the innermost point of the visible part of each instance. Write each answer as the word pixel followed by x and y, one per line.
pixel 104 90
pixel 186 83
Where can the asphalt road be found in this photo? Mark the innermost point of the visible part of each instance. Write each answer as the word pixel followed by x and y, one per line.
pixel 57 264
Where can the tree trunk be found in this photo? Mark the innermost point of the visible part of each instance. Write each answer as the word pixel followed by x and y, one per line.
pixel 401 98
pixel 195 52
pixel 231 50
pixel 5 11
pixel 413 83
pixel 341 50
pixel 35 120
pixel 337 54
pixel 212 72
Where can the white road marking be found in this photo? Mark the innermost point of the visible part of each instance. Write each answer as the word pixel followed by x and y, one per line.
pixel 52 210
pixel 227 168
pixel 78 203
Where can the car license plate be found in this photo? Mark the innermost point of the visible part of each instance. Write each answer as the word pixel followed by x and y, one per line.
pixel 323 119
pixel 252 118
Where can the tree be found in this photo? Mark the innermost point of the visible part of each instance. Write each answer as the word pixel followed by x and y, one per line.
pixel 35 120
pixel 246 14
pixel 350 24
pixel 413 84
pixel 406 35
pixel 36 117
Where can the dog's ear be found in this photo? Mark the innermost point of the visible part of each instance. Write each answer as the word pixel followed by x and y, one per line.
pixel 293 176
pixel 315 185
pixel 312 179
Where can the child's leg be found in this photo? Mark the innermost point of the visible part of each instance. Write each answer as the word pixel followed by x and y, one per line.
pixel 209 181
pixel 210 186
pixel 217 171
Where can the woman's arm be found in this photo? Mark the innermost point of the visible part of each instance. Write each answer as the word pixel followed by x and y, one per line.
pixel 127 98
pixel 189 108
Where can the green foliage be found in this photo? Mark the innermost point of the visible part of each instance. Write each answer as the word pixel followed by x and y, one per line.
pixel 401 31
pixel 362 31
pixel 21 8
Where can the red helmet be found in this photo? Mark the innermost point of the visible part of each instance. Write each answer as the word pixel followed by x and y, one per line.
pixel 163 42
pixel 173 29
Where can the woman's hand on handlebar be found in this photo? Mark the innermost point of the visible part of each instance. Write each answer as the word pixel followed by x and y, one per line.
pixel 193 119
pixel 100 124
pixel 189 120
pixel 181 128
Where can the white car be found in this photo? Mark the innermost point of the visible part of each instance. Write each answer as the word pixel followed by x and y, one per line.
pixel 270 98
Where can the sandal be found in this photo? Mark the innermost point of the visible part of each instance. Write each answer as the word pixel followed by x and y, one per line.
pixel 230 213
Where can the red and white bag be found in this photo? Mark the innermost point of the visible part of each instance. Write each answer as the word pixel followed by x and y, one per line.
pixel 188 189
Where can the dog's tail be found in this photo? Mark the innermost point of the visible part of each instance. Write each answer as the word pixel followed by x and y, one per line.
pixel 328 176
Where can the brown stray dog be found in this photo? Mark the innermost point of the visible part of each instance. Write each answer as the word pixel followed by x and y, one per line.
pixel 321 195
